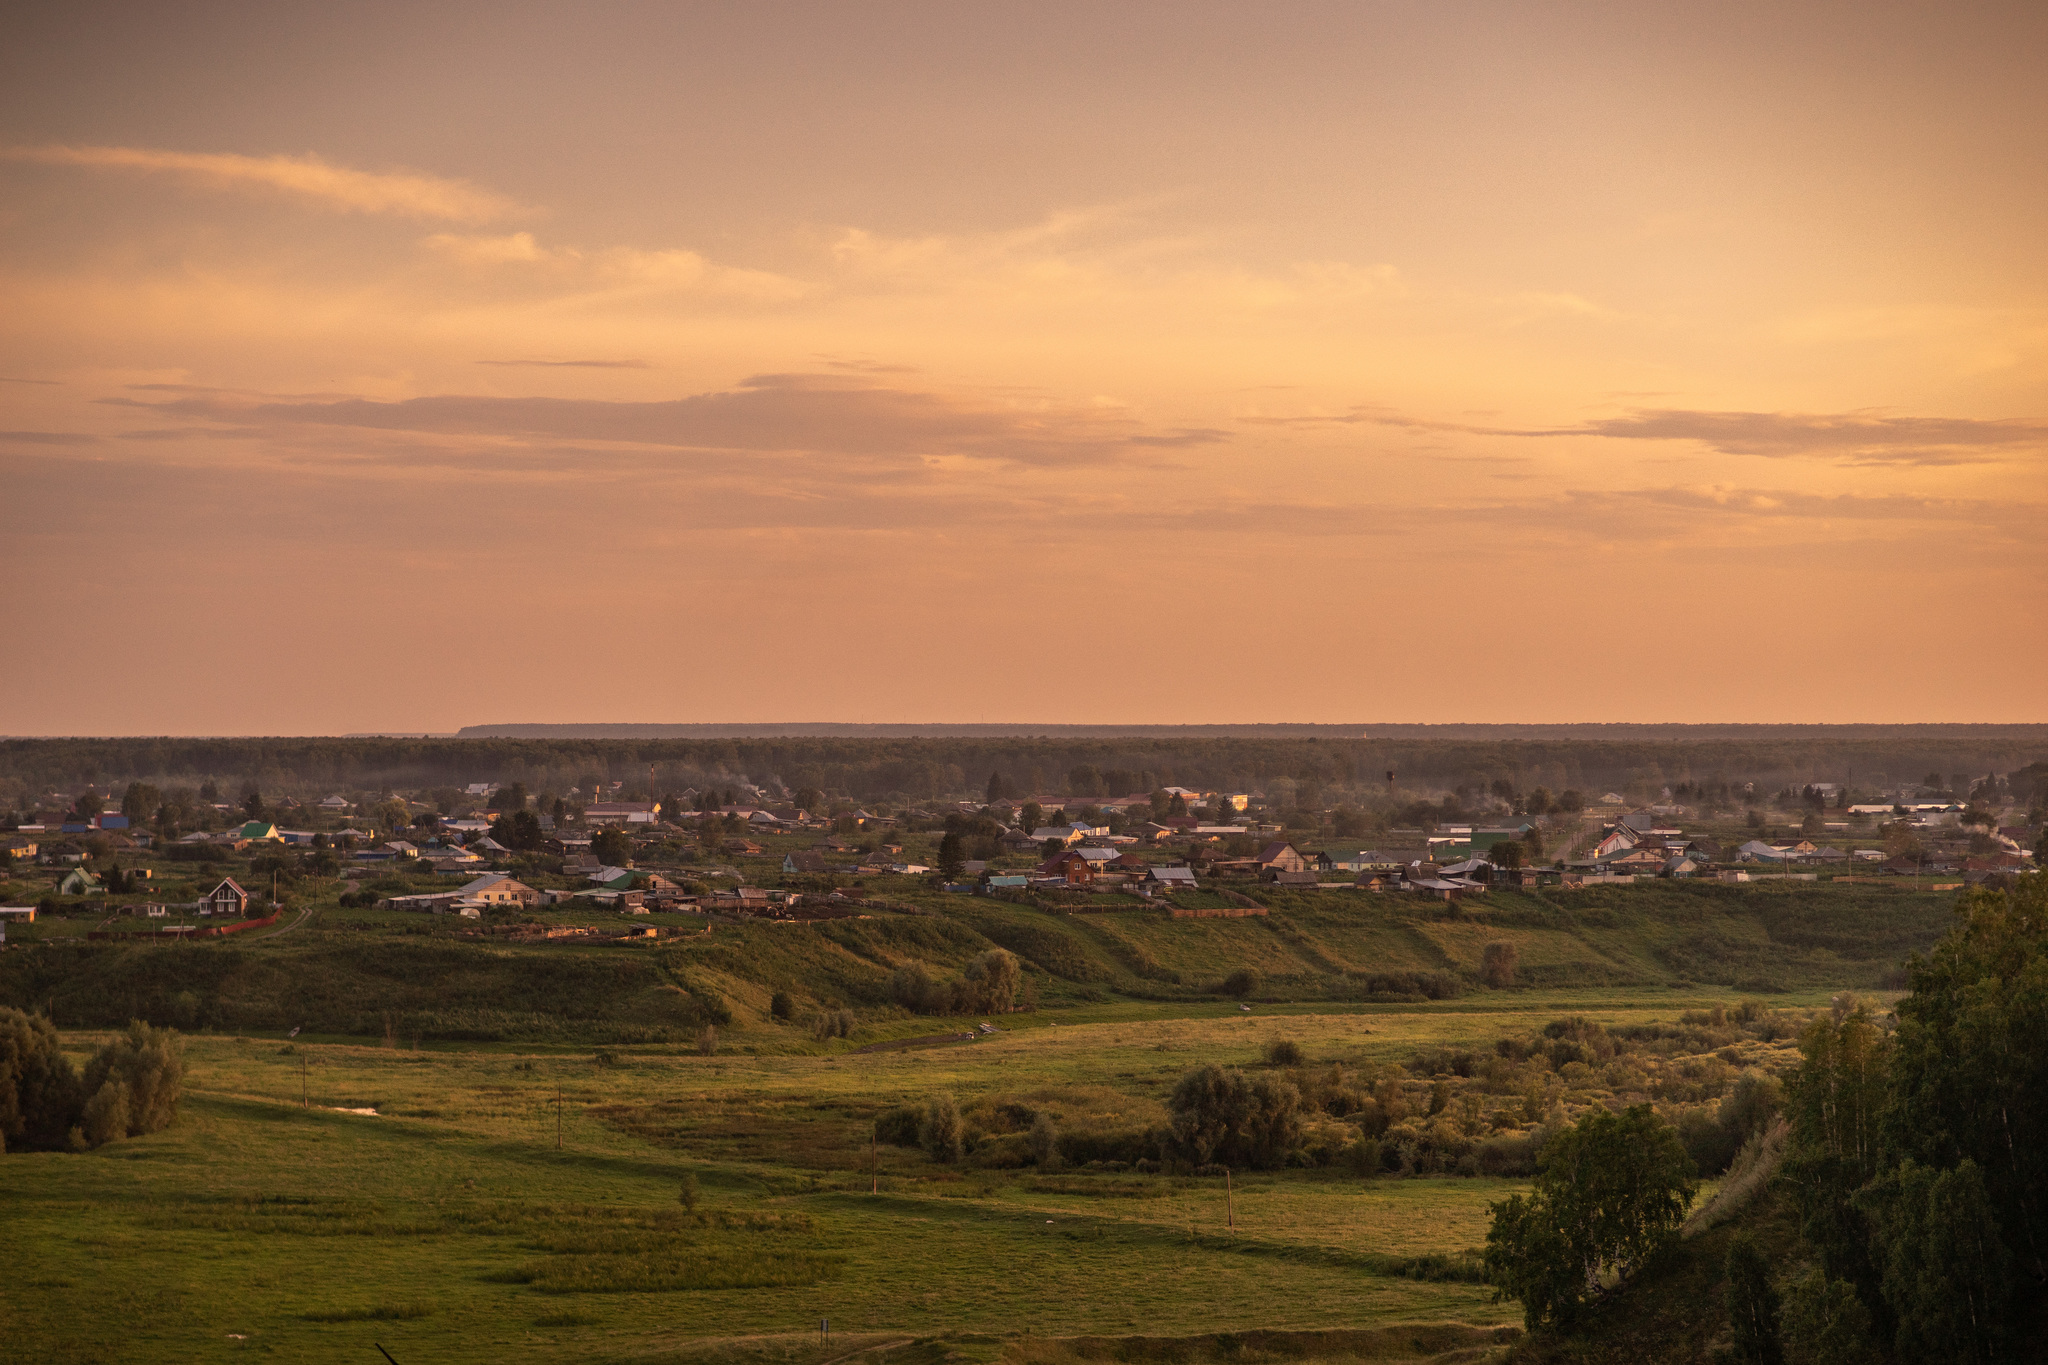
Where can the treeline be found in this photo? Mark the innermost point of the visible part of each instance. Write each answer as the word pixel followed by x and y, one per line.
pixel 930 768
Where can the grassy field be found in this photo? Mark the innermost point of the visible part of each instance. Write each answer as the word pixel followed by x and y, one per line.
pixel 448 1226
pixel 445 1223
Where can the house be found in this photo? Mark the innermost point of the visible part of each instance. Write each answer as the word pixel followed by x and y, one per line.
pixel 1066 834
pixel 1008 881
pixel 1173 878
pixel 1617 841
pixel 1357 860
pixel 614 877
pixel 337 804
pixel 1280 876
pixel 1281 856
pixel 259 832
pixel 1097 855
pixel 495 888
pixel 18 850
pixel 1635 860
pixel 1068 866
pixel 23 914
pixel 226 899
pixel 621 813
pixel 79 882
pixel 804 862
pixel 1757 851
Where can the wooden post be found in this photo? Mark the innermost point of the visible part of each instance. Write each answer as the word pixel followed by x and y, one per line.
pixel 875 1158
pixel 302 1082
pixel 558 1116
pixel 1229 1203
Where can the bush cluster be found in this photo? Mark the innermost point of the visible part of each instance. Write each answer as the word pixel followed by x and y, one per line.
pixel 130 1087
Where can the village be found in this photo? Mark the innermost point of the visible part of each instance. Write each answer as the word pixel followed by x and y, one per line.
pixel 188 866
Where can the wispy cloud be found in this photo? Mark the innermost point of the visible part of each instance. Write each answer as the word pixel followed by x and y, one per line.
pixel 573 364
pixel 1857 438
pixel 774 413
pixel 49 438
pixel 408 193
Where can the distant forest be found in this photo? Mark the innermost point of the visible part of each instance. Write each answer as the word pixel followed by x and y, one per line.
pixel 1638 761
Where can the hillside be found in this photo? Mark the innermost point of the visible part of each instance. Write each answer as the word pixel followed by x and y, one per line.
pixel 363 974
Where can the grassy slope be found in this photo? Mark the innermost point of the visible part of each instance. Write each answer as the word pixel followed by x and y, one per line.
pixel 348 973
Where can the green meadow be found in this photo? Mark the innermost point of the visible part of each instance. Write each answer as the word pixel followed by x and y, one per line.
pixel 512 1187
pixel 507 1203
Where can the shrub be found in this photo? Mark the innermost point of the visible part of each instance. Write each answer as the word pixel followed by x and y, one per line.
pixel 940 1132
pixel 687 1193
pixel 1285 1052
pixel 833 1024
pixel 898 1127
pixel 1044 1141
pixel 781 1006
pixel 1241 983
pixel 1497 965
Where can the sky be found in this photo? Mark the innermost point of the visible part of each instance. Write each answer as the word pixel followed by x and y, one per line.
pixel 395 367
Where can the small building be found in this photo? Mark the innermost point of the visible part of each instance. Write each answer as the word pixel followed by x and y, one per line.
pixel 79 882
pixel 495 888
pixel 807 862
pixel 1281 856
pixel 226 899
pixel 1068 866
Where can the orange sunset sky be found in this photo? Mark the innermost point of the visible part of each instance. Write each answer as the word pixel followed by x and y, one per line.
pixel 397 366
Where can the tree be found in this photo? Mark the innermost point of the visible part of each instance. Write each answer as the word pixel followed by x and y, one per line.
pixel 1610 1192
pixel 1226 1117
pixel 951 860
pixel 781 1005
pixel 252 804
pixel 39 1094
pixel 995 791
pixel 1825 1323
pixel 1241 982
pixel 989 983
pixel 1222 810
pixel 140 803
pixel 1506 855
pixel 88 805
pixel 1532 845
pixel 1946 1274
pixel 1752 1305
pixel 518 830
pixel 809 799
pixel 611 847
pixel 1029 819
pixel 1497 965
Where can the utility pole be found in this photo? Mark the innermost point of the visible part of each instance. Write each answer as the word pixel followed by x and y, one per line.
pixel 302 1082
pixel 558 1116
pixel 875 1158
pixel 1229 1203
